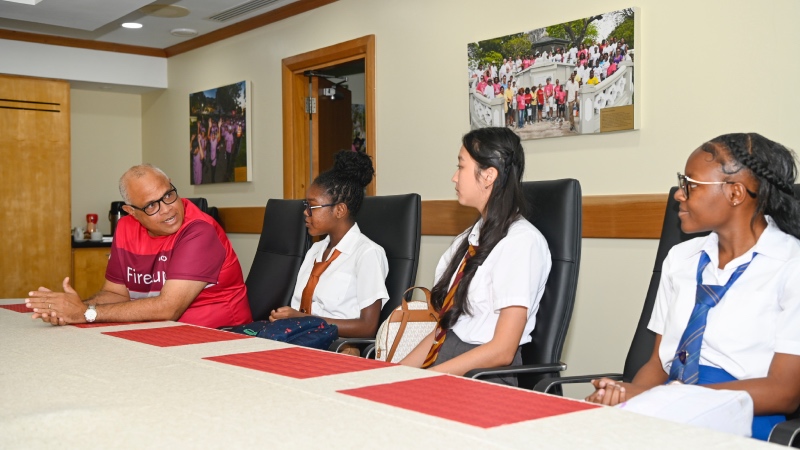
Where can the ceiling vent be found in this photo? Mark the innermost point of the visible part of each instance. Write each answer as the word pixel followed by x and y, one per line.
pixel 240 10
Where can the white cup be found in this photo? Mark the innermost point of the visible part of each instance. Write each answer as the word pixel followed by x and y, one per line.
pixel 78 234
pixel 97 236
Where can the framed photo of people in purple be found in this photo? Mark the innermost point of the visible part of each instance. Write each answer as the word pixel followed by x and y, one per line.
pixel 567 79
pixel 219 130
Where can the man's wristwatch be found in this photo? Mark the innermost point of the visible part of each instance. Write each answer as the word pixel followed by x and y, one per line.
pixel 90 314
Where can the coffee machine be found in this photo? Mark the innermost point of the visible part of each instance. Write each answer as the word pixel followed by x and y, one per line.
pixel 115 214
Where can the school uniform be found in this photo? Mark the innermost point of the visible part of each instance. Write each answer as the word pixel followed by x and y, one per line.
pixel 756 318
pixel 514 274
pixel 352 282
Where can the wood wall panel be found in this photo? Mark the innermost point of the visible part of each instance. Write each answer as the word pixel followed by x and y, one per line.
pixel 34 184
pixel 636 216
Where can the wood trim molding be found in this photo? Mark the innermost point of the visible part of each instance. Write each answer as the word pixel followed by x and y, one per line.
pixel 81 43
pixel 244 26
pixel 635 216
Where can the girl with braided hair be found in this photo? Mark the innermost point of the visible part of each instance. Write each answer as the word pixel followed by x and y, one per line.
pixel 491 279
pixel 342 278
pixel 728 305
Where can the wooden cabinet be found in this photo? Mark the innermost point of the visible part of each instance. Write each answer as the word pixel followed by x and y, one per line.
pixel 89 269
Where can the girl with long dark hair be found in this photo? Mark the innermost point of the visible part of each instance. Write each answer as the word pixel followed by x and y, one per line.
pixel 489 282
pixel 728 305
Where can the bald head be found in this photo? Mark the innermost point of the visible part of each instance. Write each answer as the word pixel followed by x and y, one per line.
pixel 135 173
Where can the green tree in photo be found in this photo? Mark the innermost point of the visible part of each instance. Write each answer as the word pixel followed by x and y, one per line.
pixel 581 31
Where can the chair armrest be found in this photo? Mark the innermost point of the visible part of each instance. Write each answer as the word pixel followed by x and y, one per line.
pixel 369 351
pixel 549 383
pixel 786 433
pixel 339 343
pixel 510 370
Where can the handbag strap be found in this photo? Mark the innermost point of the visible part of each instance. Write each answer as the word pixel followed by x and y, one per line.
pixel 406 314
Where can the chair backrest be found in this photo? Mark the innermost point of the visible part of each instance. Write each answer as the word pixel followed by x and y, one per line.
pixel 643 339
pixel 281 249
pixel 555 210
pixel 394 223
pixel 202 205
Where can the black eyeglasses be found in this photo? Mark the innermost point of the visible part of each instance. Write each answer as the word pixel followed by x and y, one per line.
pixel 153 207
pixel 684 182
pixel 308 207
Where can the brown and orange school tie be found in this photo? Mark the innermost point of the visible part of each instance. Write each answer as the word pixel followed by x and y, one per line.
pixel 313 279
pixel 440 333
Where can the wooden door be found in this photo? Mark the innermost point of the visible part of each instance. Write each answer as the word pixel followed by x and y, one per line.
pixel 34 184
pixel 89 269
pixel 332 124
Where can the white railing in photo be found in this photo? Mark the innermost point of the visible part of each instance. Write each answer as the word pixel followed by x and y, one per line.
pixel 616 90
pixel 485 112
pixel 539 73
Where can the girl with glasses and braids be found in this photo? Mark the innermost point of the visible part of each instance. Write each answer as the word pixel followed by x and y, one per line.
pixel 342 278
pixel 728 305
pixel 491 279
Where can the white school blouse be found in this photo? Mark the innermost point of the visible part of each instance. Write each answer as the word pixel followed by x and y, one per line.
pixel 514 274
pixel 758 316
pixel 352 282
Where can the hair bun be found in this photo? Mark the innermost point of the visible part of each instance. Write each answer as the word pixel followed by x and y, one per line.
pixel 354 165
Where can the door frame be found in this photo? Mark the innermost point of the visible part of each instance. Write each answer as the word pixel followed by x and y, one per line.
pixel 295 119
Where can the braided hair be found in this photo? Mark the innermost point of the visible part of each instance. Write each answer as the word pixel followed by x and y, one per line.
pixel 490 147
pixel 772 165
pixel 345 183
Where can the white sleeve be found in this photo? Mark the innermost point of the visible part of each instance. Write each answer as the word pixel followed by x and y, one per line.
pixel 663 298
pixel 787 336
pixel 521 271
pixel 371 270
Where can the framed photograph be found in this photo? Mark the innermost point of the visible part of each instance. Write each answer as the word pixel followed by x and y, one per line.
pixel 219 130
pixel 566 79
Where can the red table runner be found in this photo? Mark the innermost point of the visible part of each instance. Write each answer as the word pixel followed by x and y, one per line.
pixel 467 401
pixel 298 362
pixel 177 335
pixel 18 307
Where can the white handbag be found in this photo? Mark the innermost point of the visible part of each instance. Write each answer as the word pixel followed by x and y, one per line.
pixel 405 327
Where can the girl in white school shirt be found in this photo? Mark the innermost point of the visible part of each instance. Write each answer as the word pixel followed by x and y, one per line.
pixel 739 187
pixel 495 302
pixel 352 290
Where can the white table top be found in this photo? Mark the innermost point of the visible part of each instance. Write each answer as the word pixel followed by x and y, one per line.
pixel 79 388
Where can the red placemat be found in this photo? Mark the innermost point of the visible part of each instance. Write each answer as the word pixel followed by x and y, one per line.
pixel 178 335
pixel 102 324
pixel 467 401
pixel 18 307
pixel 298 362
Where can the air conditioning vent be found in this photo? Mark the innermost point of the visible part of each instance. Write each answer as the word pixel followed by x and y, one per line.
pixel 240 10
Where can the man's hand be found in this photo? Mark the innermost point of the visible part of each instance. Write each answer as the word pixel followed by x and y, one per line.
pixel 56 308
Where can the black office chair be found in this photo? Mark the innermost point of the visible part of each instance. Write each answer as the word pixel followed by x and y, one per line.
pixel 554 209
pixel 643 339
pixel 394 223
pixel 281 249
pixel 202 205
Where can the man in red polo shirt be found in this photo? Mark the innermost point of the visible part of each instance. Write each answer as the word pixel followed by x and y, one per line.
pixel 169 261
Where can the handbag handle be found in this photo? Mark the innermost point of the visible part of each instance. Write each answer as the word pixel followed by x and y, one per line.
pixel 406 314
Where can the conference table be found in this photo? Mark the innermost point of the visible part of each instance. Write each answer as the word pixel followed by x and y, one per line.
pixel 173 385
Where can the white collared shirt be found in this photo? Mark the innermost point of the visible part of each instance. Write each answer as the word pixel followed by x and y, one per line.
pixel 514 274
pixel 758 316
pixel 351 283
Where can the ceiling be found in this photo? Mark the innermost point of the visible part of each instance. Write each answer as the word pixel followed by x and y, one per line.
pixel 101 20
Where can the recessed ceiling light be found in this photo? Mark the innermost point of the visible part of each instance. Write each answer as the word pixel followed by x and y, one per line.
pixel 131 25
pixel 26 2
pixel 183 32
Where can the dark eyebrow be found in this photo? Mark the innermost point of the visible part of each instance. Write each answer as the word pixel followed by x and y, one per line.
pixel 159 199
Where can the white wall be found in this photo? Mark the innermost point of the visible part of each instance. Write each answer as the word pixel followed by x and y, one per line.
pixel 106 140
pixel 706 68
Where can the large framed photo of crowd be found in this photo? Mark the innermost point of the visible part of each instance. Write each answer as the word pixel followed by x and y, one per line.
pixel 219 130
pixel 567 79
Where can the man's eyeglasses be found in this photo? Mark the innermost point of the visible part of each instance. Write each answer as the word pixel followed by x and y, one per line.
pixel 153 207
pixel 308 207
pixel 684 182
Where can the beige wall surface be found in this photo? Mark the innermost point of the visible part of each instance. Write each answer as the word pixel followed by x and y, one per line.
pixel 106 141
pixel 705 68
